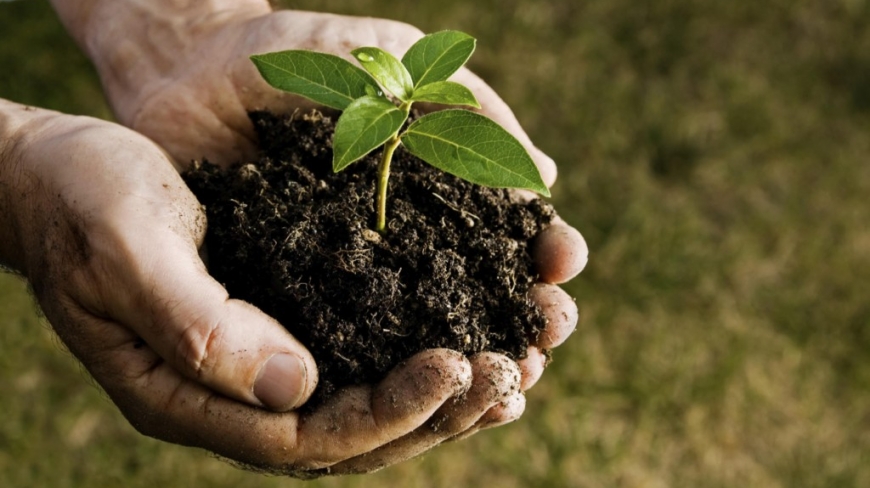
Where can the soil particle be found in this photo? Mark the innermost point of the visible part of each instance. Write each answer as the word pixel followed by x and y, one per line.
pixel 290 236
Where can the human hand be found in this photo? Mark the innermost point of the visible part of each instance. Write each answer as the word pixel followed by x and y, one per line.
pixel 107 233
pixel 183 77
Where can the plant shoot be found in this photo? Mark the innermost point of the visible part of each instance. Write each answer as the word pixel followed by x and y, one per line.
pixel 460 142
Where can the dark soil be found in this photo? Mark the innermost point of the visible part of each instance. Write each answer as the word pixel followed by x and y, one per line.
pixel 290 236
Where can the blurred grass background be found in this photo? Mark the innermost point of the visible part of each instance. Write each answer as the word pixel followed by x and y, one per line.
pixel 716 155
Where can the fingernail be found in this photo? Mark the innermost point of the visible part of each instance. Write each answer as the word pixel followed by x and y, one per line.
pixel 281 383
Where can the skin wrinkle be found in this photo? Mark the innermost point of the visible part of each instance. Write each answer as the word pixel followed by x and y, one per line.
pixel 192 351
pixel 242 129
pixel 148 373
pixel 177 396
pixel 69 331
pixel 242 72
pixel 148 367
pixel 127 109
pixel 195 347
pixel 93 303
pixel 148 301
pixel 156 103
pixel 245 130
pixel 134 67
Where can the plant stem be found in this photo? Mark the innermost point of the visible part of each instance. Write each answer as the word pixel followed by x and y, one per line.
pixel 383 180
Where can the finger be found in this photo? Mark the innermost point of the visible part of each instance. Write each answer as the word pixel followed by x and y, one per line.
pixel 560 311
pixel 504 413
pixel 559 253
pixel 532 367
pixel 361 419
pixel 162 404
pixel 495 108
pixel 159 287
pixel 357 420
pixel 496 380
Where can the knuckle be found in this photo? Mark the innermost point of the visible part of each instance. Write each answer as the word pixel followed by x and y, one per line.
pixel 198 345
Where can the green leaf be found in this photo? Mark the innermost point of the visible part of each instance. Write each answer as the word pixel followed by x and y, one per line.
pixel 387 70
pixel 474 148
pixel 446 93
pixel 437 56
pixel 367 123
pixel 328 80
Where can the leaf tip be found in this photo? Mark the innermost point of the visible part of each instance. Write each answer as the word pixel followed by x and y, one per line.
pixel 337 163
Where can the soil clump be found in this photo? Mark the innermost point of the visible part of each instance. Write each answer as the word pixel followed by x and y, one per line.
pixel 288 235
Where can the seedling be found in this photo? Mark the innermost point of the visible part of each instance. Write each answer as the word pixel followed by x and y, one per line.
pixel 460 142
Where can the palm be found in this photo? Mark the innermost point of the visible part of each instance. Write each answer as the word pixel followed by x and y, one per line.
pixel 200 110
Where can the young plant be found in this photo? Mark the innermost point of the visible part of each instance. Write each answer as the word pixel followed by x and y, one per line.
pixel 459 142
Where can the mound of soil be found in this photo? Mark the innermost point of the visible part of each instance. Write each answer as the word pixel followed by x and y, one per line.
pixel 293 238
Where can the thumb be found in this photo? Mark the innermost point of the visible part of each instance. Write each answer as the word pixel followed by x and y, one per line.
pixel 169 300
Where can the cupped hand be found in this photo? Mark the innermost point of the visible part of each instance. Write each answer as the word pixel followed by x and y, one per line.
pixel 108 234
pixel 197 107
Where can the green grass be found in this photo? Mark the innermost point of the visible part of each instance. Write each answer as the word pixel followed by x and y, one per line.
pixel 716 155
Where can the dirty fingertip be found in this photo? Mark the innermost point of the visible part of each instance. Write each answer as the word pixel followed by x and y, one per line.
pixel 505 412
pixel 499 372
pixel 559 253
pixel 453 367
pixel 560 310
pixel 531 368
pixel 427 378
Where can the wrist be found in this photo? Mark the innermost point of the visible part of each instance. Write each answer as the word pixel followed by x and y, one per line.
pixel 136 46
